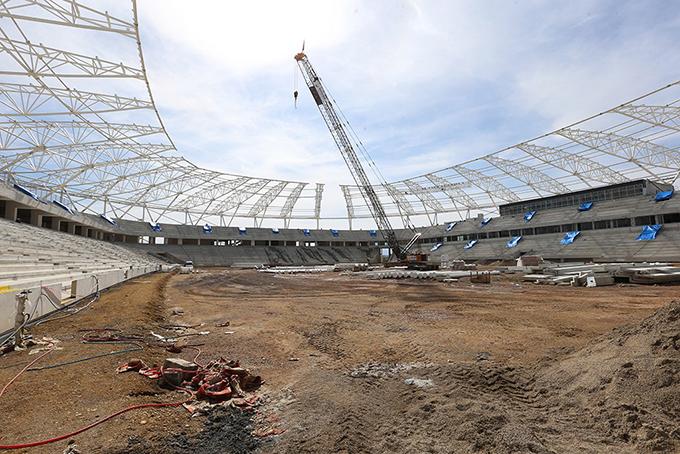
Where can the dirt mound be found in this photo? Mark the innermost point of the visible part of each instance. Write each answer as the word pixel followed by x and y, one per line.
pixel 629 380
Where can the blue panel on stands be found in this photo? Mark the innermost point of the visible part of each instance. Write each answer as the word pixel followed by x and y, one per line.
pixel 62 206
pixel 373 233
pixel 528 216
pixel 470 244
pixel 451 226
pixel 275 230
pixel 306 232
pixel 514 241
pixel 436 246
pixel 207 228
pixel 335 232
pixel 485 221
pixel 665 195
pixel 108 219
pixel 585 206
pixel 569 237
pixel 27 192
pixel 155 227
pixel 649 232
pixel 242 231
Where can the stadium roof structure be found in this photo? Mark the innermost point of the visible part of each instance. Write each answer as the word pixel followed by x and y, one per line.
pixel 81 126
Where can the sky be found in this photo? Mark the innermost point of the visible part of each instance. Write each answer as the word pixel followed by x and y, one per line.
pixel 426 84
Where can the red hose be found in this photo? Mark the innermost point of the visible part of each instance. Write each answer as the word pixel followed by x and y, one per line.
pixel 88 427
pixel 94 424
pixel 24 370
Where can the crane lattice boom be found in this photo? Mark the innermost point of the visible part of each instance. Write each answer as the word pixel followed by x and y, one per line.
pixel 342 139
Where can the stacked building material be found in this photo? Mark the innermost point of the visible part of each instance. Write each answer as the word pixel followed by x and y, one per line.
pixel 599 274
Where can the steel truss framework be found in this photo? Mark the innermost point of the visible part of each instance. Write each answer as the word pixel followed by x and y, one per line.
pixel 70 131
pixel 104 151
pixel 638 139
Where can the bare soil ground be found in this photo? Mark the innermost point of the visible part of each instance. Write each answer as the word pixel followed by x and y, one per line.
pixel 353 365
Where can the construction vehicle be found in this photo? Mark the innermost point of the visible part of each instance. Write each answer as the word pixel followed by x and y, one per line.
pixel 338 130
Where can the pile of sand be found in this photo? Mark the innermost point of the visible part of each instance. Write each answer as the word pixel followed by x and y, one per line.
pixel 629 382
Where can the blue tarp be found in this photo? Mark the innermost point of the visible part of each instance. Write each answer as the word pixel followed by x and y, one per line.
pixel 207 228
pixel 665 195
pixel 528 216
pixel 470 243
pixel 569 237
pixel 585 206
pixel 155 227
pixel 275 230
pixel 649 232
pixel 27 192
pixel 335 232
pixel 436 246
pixel 451 226
pixel 108 219
pixel 306 232
pixel 242 231
pixel 62 206
pixel 514 241
pixel 485 221
pixel 373 233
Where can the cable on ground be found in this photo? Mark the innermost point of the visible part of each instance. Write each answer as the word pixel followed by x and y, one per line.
pixel 88 358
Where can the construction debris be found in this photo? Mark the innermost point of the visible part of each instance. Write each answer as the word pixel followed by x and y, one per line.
pixel 444 276
pixel 602 274
pixel 217 381
pixel 599 280
pixel 530 260
pixel 446 263
pixel 419 382
pixel 297 269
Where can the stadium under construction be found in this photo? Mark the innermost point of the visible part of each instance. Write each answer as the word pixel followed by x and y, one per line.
pixel 521 301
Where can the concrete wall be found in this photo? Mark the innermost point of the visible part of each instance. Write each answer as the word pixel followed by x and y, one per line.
pixel 252 256
pixel 71 291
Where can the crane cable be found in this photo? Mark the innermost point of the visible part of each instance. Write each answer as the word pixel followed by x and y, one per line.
pixel 295 86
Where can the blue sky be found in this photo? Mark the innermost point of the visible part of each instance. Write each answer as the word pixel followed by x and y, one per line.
pixel 426 84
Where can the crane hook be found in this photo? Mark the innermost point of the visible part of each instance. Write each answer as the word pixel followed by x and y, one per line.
pixel 295 97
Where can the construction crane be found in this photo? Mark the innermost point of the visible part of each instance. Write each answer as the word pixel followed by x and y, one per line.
pixel 342 139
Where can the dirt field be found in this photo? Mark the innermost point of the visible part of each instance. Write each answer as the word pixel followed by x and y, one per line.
pixel 353 365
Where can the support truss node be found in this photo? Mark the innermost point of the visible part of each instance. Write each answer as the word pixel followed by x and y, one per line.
pixel 400 199
pixel 663 116
pixel 454 191
pixel 639 151
pixel 537 180
pixel 425 196
pixel 66 13
pixel 491 185
pixel 291 200
pixel 580 166
pixel 267 198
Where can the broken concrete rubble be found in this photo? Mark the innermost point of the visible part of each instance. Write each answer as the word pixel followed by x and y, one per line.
pixel 217 381
pixel 448 264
